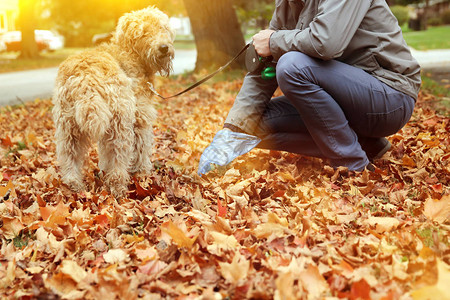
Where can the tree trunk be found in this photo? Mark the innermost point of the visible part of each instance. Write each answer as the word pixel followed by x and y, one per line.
pixel 26 23
pixel 217 33
pixel 424 19
pixel 390 2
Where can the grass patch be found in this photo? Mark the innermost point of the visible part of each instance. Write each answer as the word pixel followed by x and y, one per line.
pixel 10 63
pixel 434 87
pixel 432 38
pixel 442 92
pixel 184 42
pixel 431 235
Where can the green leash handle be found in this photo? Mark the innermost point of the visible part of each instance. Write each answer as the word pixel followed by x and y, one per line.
pixel 268 73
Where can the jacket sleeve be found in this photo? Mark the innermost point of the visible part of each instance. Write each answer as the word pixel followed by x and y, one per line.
pixel 327 35
pixel 251 102
pixel 255 92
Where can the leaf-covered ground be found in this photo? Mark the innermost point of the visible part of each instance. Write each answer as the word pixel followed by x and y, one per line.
pixel 272 225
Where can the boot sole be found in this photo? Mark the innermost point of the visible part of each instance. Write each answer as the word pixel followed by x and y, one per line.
pixel 383 151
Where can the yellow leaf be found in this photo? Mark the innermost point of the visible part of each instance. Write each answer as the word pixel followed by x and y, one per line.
pixel 274 218
pixel 222 242
pixel 437 210
pixel 11 227
pixel 313 281
pixel 4 190
pixel 177 235
pixel 235 271
pixel 34 270
pixel 285 287
pixel 438 291
pixel 274 225
pixel 285 176
pixel 10 275
pixel 114 256
pixel 409 162
pixel 62 284
pixel 383 224
pixel 267 229
pixel 354 191
pixel 58 215
pixel 73 270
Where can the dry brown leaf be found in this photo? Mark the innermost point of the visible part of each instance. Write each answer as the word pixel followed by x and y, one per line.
pixel 11 227
pixel 313 282
pixel 177 235
pixel 235 271
pixel 115 256
pixel 440 289
pixel 438 210
pixel 73 270
pixel 383 224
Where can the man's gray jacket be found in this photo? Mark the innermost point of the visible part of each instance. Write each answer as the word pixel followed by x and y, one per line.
pixel 361 33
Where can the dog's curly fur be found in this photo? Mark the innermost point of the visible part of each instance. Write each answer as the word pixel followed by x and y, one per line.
pixel 101 95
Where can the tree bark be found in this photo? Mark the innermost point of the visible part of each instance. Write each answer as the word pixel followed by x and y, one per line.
pixel 217 33
pixel 390 2
pixel 425 15
pixel 26 23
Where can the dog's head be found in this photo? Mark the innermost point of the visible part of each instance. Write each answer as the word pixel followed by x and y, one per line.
pixel 147 32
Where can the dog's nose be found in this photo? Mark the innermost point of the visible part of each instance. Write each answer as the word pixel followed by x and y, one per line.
pixel 163 48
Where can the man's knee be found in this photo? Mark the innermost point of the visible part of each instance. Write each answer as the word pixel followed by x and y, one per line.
pixel 292 65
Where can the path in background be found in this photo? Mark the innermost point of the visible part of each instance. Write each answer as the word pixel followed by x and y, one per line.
pixel 436 64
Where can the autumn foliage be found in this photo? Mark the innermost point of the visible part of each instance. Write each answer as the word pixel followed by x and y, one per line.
pixel 272 225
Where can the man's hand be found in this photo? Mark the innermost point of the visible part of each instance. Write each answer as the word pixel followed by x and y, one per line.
pixel 261 42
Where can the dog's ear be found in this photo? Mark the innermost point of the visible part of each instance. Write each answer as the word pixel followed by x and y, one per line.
pixel 128 28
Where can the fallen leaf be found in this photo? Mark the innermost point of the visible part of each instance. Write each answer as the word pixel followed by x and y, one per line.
pixel 236 270
pixel 177 235
pixel 313 282
pixel 5 189
pixel 440 289
pixel 437 210
pixel 285 287
pixel 73 270
pixel 383 224
pixel 12 226
pixel 221 209
pixel 222 242
pixel 115 256
pixel 360 290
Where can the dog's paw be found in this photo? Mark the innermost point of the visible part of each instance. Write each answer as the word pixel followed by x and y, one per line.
pixel 118 192
pixel 117 183
pixel 144 169
pixel 74 185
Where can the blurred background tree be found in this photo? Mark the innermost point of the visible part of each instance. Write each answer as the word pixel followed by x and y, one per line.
pixel 401 13
pixel 27 22
pixel 218 26
pixel 254 15
pixel 78 21
pixel 423 17
pixel 217 32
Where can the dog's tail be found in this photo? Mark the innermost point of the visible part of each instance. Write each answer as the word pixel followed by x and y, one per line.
pixel 93 116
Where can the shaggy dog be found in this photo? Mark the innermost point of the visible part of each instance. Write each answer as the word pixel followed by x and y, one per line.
pixel 102 96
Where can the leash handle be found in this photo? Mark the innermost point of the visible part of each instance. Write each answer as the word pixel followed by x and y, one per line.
pixel 200 81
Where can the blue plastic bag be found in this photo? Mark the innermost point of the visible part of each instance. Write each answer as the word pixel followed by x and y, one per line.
pixel 225 147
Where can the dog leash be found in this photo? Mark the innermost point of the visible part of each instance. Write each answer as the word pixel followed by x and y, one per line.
pixel 202 80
